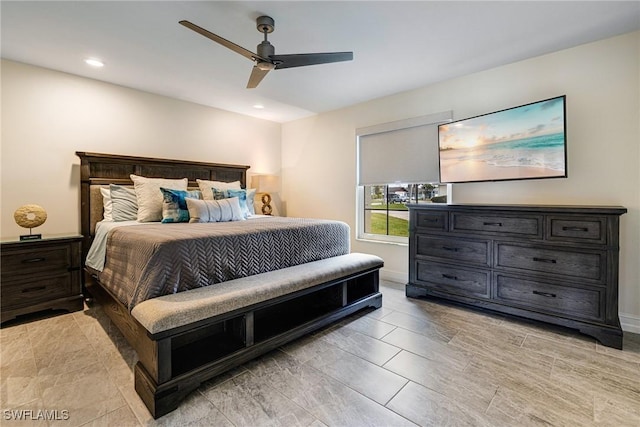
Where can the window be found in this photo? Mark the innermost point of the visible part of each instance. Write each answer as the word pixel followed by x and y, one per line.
pixel 397 165
pixel 385 215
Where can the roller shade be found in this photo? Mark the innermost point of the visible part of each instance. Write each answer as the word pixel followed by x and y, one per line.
pixel 405 151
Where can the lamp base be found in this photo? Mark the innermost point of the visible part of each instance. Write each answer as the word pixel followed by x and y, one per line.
pixel 266 204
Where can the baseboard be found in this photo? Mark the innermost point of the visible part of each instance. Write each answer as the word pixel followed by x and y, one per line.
pixel 630 323
pixel 394 276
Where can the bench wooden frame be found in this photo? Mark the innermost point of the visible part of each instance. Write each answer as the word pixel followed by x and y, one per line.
pixel 173 362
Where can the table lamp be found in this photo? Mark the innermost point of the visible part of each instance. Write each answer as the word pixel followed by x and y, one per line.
pixel 265 185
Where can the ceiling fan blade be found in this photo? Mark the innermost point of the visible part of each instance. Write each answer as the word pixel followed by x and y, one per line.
pixel 224 42
pixel 256 77
pixel 303 59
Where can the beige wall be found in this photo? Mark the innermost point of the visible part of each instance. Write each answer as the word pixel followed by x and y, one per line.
pixel 601 81
pixel 47 116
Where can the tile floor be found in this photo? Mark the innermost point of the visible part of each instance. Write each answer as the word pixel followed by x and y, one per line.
pixel 410 362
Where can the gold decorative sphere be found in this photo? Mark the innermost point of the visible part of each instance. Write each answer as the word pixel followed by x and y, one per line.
pixel 30 216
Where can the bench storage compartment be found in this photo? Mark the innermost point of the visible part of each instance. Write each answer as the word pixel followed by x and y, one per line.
pixel 187 338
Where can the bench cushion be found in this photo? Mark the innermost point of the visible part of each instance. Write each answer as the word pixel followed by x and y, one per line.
pixel 183 308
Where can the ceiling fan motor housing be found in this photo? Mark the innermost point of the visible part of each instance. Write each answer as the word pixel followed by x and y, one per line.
pixel 266 49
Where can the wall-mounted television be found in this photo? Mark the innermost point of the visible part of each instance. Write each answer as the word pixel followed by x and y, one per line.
pixel 524 142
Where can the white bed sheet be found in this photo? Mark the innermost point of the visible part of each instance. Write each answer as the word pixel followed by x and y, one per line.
pixel 97 251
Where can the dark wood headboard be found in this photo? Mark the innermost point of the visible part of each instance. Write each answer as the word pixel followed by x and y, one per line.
pixel 104 169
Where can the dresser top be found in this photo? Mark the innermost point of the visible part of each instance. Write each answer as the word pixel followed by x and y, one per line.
pixel 576 209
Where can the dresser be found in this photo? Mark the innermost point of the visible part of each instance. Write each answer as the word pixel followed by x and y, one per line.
pixel 39 275
pixel 556 264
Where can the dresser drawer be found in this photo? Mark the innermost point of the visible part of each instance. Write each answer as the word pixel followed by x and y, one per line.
pixel 26 292
pixel 583 265
pixel 476 251
pixel 530 226
pixel 550 298
pixel 453 279
pixel 432 220
pixel 53 259
pixel 572 229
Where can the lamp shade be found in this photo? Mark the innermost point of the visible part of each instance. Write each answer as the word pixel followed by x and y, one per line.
pixel 266 183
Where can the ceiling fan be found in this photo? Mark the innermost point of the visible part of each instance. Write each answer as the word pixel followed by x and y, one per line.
pixel 266 59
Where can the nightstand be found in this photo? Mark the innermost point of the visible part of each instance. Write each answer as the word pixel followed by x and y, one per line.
pixel 39 275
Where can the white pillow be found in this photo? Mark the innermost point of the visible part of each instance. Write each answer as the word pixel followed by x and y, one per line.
pixel 107 205
pixel 207 187
pixel 214 210
pixel 149 195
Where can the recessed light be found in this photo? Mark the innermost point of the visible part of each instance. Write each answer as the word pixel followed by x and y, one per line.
pixel 94 62
pixel 258 106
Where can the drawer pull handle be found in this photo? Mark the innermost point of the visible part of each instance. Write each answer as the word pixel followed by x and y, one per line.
pixel 448 248
pixel 430 220
pixel 450 277
pixel 34 289
pixel 545 294
pixel 32 260
pixel 547 260
pixel 585 229
pixel 494 224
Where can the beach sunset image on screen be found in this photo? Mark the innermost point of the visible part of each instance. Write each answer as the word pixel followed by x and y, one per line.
pixel 523 142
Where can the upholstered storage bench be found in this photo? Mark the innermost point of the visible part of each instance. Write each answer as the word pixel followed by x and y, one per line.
pixel 186 338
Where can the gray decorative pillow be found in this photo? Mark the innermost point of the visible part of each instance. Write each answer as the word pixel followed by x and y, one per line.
pixel 214 210
pixel 124 203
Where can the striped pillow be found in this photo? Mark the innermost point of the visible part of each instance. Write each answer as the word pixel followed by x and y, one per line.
pixel 214 210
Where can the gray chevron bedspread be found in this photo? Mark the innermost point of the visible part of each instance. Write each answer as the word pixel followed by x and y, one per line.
pixel 156 259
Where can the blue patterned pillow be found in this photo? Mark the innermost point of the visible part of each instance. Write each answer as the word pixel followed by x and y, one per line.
pixel 174 206
pixel 245 197
pixel 219 194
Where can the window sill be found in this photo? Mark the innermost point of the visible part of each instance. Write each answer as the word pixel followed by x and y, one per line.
pixel 384 242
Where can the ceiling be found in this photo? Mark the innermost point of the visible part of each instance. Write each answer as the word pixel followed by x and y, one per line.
pixel 397 46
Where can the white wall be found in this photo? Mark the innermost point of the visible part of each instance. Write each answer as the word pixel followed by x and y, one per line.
pixel 47 116
pixel 601 81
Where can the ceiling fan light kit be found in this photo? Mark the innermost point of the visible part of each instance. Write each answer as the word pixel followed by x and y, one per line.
pixel 266 59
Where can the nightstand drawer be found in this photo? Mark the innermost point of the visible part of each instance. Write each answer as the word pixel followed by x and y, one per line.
pixel 497 225
pixel 476 252
pixel 19 293
pixel 53 259
pixel 454 280
pixel 584 265
pixel 551 298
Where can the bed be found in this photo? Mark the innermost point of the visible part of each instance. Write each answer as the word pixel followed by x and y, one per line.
pixel 208 297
